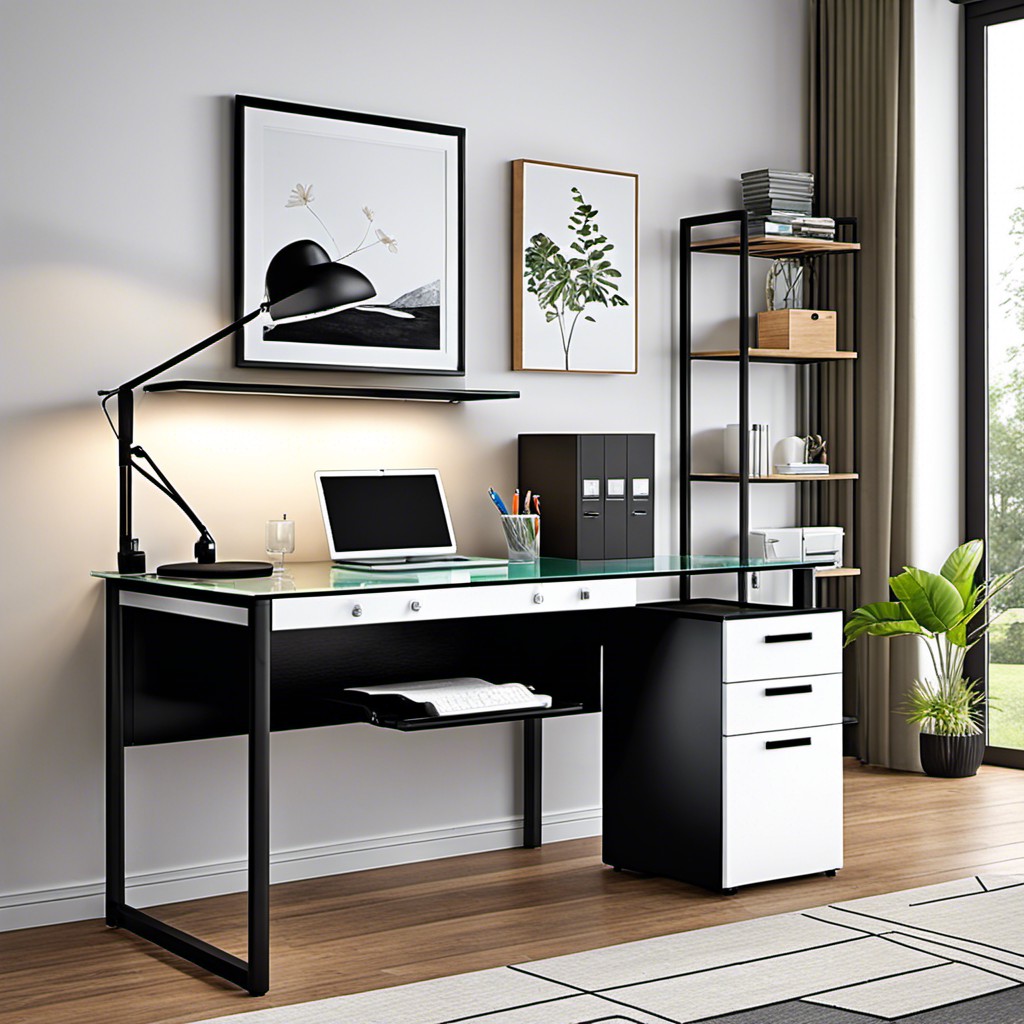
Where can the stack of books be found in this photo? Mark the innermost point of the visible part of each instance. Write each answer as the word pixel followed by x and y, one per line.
pixel 802 469
pixel 781 203
pixel 758 449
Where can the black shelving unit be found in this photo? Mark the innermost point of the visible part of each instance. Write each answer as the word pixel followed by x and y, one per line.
pixel 809 367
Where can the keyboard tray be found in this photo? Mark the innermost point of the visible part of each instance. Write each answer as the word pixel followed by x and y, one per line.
pixel 408 721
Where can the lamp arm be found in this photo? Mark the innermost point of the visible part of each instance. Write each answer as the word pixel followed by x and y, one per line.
pixel 130 385
pixel 206 547
pixel 130 560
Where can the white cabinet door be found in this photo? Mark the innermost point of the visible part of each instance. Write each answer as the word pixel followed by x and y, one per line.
pixel 769 704
pixel 782 804
pixel 776 646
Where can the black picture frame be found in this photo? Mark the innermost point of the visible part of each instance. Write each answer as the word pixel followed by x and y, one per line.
pixel 416 166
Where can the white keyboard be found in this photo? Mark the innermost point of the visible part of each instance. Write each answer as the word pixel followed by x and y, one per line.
pixel 465 696
pixel 508 695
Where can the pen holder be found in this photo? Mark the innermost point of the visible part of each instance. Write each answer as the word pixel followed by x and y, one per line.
pixel 522 535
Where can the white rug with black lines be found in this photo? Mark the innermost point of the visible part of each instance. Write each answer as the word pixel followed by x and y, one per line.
pixel 945 954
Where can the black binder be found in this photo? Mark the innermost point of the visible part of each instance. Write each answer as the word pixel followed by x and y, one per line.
pixel 640 482
pixel 597 493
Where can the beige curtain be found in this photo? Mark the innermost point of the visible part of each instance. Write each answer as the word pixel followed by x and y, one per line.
pixel 861 154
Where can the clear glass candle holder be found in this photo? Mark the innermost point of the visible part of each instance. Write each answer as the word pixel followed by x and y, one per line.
pixel 522 537
pixel 280 540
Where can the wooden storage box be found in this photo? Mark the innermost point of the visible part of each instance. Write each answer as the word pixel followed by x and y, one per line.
pixel 798 330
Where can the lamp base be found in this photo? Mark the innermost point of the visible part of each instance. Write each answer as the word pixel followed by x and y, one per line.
pixel 215 570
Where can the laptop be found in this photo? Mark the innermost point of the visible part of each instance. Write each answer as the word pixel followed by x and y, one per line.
pixel 390 520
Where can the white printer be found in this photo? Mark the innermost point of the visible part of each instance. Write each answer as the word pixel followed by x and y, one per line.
pixel 821 544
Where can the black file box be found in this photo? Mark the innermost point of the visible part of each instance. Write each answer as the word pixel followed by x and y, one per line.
pixel 597 493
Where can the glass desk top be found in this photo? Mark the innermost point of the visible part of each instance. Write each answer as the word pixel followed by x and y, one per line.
pixel 325 578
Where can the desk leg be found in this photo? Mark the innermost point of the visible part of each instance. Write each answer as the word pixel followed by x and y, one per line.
pixel 115 757
pixel 254 975
pixel 532 764
pixel 258 980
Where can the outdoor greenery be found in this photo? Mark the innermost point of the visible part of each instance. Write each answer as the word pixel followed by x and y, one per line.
pixel 566 285
pixel 1006 716
pixel 1006 513
pixel 946 611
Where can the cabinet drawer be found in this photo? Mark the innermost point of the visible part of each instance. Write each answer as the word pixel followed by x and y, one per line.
pixel 782 804
pixel 352 609
pixel 778 646
pixel 766 705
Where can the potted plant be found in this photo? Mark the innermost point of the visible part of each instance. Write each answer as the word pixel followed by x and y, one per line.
pixel 940 609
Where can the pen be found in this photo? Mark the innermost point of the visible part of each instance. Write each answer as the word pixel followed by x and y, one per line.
pixel 526 504
pixel 515 503
pixel 498 503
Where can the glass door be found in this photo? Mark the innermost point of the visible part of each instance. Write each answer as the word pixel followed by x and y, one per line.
pixel 994 171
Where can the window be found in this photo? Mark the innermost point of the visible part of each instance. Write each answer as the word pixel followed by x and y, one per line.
pixel 994 373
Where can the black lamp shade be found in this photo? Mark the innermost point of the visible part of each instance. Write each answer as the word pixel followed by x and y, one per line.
pixel 303 282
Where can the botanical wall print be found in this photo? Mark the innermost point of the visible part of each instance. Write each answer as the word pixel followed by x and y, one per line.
pixel 379 194
pixel 574 268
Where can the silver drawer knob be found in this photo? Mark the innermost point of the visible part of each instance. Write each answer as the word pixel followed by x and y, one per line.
pixel 415 606
pixel 538 598
pixel 357 611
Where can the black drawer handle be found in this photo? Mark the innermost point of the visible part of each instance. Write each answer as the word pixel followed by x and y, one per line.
pixel 803 741
pixel 591 515
pixel 785 691
pixel 640 512
pixel 787 638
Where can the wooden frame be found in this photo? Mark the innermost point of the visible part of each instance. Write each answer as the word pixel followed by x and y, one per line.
pixel 385 195
pixel 544 338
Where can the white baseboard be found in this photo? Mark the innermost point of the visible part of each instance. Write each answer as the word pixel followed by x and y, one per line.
pixel 83 902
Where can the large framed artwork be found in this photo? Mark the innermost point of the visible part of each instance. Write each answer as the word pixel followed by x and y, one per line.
pixel 574 268
pixel 381 195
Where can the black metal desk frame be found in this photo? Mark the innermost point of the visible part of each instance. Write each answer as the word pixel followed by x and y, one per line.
pixel 253 975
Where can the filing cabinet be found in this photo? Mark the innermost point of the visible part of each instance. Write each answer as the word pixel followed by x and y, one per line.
pixel 723 743
pixel 597 493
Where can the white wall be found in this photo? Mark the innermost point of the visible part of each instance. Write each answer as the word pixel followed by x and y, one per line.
pixel 116 236
pixel 938 315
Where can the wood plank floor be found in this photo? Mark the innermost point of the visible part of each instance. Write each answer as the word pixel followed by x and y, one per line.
pixel 372 929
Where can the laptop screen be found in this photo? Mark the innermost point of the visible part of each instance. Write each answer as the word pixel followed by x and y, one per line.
pixel 385 513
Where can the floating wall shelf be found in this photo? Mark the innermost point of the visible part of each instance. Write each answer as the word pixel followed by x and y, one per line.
pixel 395 394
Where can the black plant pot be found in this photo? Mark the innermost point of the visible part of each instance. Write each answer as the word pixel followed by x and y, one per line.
pixel 951 757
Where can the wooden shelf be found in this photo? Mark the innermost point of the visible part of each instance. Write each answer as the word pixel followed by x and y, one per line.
pixel 844 570
pixel 774 246
pixel 774 355
pixel 776 478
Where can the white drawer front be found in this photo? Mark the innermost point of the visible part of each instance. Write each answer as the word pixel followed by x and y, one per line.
pixel 783 804
pixel 766 705
pixel 782 645
pixel 451 603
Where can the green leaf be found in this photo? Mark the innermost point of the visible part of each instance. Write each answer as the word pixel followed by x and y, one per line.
pixel 884 618
pixel 976 603
pixel 591 319
pixel 932 600
pixel 961 566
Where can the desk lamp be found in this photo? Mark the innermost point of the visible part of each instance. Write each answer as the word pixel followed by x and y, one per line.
pixel 302 283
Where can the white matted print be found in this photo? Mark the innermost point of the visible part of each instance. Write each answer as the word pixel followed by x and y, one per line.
pixel 381 195
pixel 574 289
